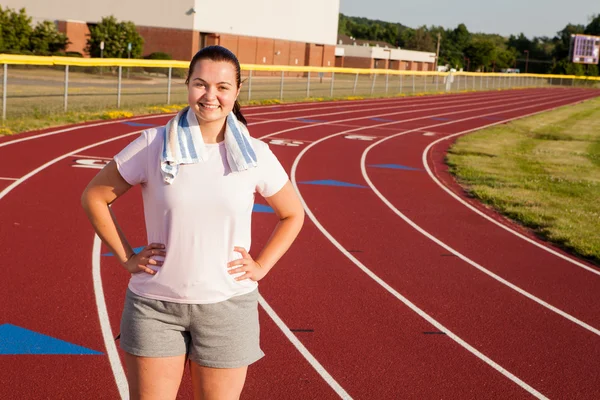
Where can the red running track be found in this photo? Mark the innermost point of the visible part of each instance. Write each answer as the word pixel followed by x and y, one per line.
pixel 394 289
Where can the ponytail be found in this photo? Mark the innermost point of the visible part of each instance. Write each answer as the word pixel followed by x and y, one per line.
pixel 237 110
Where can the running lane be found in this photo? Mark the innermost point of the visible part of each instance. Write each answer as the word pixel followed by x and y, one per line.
pixel 538 346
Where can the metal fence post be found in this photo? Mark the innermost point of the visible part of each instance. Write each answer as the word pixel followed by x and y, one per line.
pixel 281 88
pixel 66 87
pixel 119 88
pixel 169 86
pixel 401 83
pixel 4 83
pixel 413 83
pixel 425 84
pixel 332 81
pixel 355 83
pixel 250 85
pixel 387 79
pixel 437 80
pixel 308 85
pixel 373 84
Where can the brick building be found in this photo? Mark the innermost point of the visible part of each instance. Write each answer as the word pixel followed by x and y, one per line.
pixel 259 32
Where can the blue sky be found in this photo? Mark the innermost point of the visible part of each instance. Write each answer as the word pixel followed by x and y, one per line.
pixel 532 17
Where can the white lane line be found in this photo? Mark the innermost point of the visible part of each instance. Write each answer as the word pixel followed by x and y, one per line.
pixel 394 107
pixel 57 159
pixel 74 128
pixel 391 290
pixel 484 215
pixel 19 140
pixel 452 250
pixel 501 100
pixel 24 178
pixel 92 157
pixel 8 179
pixel 107 333
pixel 304 351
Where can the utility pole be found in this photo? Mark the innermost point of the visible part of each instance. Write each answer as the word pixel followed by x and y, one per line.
pixel 437 52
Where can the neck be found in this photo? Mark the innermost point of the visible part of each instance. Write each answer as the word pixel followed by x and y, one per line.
pixel 213 132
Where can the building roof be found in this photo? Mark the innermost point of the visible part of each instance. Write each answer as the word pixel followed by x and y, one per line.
pixel 349 40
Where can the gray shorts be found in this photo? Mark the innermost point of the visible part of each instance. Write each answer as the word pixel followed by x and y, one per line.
pixel 219 335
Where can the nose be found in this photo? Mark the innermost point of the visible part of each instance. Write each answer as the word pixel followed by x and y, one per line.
pixel 210 92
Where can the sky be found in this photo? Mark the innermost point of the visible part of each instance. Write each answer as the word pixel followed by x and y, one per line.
pixel 505 17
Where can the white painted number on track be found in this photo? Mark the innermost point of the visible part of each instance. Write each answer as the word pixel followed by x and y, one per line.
pixel 360 137
pixel 286 142
pixel 90 163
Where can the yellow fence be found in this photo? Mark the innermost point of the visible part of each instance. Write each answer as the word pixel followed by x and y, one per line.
pixel 12 59
pixel 43 86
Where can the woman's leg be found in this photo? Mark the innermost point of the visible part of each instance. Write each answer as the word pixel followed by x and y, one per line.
pixel 217 383
pixel 152 378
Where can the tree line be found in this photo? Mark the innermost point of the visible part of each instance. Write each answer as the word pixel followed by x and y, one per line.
pixel 470 51
pixel 19 36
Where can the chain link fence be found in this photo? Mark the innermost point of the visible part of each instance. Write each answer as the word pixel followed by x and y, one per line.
pixel 41 86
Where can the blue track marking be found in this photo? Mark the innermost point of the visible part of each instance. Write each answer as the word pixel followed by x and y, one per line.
pixel 308 121
pixel 137 124
pixel 261 208
pixel 15 340
pixel 440 119
pixel 382 120
pixel 395 166
pixel 331 182
pixel 136 250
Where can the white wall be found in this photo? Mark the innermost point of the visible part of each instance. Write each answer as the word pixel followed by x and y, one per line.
pixel 157 13
pixel 385 53
pixel 313 21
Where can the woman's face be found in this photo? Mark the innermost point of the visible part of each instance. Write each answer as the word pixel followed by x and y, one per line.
pixel 212 90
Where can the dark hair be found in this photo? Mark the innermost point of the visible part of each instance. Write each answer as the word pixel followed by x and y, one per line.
pixel 219 53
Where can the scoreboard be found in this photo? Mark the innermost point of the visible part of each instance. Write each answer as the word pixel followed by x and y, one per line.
pixel 586 49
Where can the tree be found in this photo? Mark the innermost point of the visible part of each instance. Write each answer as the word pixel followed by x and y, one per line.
pixel 46 39
pixel 15 30
pixel 481 53
pixel 116 36
pixel 593 28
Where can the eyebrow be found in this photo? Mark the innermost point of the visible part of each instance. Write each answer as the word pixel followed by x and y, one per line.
pixel 220 83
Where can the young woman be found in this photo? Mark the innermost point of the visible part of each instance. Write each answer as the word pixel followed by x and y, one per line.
pixel 193 289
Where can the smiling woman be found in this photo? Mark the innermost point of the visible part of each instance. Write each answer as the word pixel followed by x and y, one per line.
pixel 193 289
pixel 214 83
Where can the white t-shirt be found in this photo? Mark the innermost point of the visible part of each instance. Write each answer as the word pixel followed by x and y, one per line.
pixel 200 218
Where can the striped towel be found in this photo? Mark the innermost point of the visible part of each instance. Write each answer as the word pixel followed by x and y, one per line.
pixel 183 144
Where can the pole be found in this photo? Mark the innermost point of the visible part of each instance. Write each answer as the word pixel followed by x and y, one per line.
pixel 373 84
pixel 437 51
pixel 250 85
pixel 169 87
pixel 66 86
pixel 387 79
pixel 526 60
pixel 332 80
pixel 355 83
pixel 119 88
pixel 308 85
pixel 4 83
pixel 281 88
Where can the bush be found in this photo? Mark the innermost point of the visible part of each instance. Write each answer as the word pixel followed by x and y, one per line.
pixel 116 37
pixel 158 55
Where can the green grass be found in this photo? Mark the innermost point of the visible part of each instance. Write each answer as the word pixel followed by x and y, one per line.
pixel 542 171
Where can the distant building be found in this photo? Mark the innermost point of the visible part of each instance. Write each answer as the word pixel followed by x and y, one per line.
pixel 258 32
pixel 352 53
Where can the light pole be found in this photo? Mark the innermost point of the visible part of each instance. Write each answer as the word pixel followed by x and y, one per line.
pixel 526 59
